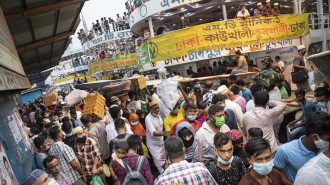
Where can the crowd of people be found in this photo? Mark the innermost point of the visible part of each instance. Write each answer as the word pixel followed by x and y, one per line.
pixel 225 135
pixel 104 25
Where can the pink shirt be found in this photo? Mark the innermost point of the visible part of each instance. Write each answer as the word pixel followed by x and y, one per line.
pixel 240 101
pixel 264 119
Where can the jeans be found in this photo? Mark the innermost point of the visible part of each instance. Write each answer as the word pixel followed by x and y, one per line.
pixel 296 133
pixel 236 71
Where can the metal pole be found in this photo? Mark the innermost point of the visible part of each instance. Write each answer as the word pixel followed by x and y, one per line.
pixel 151 28
pixel 224 11
pixel 296 6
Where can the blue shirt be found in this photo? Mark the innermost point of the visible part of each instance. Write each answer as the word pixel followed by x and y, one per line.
pixel 293 156
pixel 247 94
pixel 250 105
pixel 308 107
pixel 39 159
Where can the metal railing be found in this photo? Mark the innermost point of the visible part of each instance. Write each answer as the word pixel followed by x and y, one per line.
pixel 318 20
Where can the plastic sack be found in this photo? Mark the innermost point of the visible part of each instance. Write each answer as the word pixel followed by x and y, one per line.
pixel 96 180
pixel 284 93
pixel 168 92
pixel 106 170
pixel 75 97
pixel 311 80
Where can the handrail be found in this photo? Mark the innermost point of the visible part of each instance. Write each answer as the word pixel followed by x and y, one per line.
pixel 319 20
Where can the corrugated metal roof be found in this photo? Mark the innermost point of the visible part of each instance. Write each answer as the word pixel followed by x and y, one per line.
pixel 41 29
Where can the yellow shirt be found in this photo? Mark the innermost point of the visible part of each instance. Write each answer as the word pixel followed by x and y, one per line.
pixel 170 120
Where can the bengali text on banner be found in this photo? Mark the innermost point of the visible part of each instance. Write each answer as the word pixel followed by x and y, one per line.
pixel 113 63
pixel 227 34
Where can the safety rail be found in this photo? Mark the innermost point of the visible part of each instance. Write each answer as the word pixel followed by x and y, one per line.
pixel 318 20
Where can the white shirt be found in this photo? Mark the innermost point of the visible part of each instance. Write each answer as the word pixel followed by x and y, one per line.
pixel 238 115
pixel 119 19
pixel 135 105
pixel 316 171
pixel 111 131
pixel 207 133
pixel 240 13
pixel 280 64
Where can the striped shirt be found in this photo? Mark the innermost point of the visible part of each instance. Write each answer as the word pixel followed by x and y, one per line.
pixel 186 173
pixel 65 155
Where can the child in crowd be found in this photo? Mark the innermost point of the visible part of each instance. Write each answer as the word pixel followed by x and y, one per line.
pixel 121 149
pixel 255 132
pixel 202 114
pixel 122 135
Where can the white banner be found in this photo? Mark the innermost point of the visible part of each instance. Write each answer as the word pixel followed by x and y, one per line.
pixel 106 38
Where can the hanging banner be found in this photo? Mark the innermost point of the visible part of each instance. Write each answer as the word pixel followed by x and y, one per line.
pixel 143 53
pixel 113 63
pixel 227 34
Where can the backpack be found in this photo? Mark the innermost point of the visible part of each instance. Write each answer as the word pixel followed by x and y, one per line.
pixel 135 177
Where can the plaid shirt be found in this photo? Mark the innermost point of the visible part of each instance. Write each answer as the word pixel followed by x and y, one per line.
pixel 131 160
pixel 89 151
pixel 186 173
pixel 65 155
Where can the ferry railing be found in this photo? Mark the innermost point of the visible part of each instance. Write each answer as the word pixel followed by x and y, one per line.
pixel 319 20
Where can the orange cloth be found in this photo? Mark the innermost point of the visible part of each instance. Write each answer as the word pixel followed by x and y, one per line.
pixel 137 129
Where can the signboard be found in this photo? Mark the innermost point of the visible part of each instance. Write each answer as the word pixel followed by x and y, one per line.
pixel 143 53
pixel 155 6
pixel 10 80
pixel 107 37
pixel 227 34
pixel 33 74
pixel 113 63
pixel 81 68
pixel 211 54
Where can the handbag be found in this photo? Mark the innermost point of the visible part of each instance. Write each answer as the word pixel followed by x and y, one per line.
pixel 96 180
pixel 299 76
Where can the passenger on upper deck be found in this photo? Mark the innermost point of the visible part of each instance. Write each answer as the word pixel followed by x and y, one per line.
pixel 184 21
pixel 244 13
pixel 276 11
pixel 146 35
pixel 267 10
pixel 259 11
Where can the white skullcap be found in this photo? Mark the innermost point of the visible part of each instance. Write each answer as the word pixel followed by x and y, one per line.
pixel 223 90
pixel 276 4
pixel 301 47
pixel 259 4
pixel 76 130
pixel 155 86
pixel 267 1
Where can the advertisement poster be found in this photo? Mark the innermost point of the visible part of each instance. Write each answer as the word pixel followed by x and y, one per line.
pixel 7 176
pixel 22 129
pixel 143 53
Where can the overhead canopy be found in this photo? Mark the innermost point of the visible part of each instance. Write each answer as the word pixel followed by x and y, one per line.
pixel 41 29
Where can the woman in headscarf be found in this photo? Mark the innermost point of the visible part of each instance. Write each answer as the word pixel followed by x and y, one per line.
pixel 136 126
pixel 142 116
pixel 197 150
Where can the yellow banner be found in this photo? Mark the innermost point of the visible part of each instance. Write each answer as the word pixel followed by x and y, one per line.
pixel 89 79
pixel 113 63
pixel 227 34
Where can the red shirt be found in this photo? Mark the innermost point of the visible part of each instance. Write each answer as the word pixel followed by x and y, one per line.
pixel 101 56
pixel 196 125
pixel 203 74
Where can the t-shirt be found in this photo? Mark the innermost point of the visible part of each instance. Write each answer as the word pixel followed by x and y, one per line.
pixel 247 94
pixel 39 159
pixel 170 120
pixel 308 107
pixel 242 64
pixel 280 64
pixel 230 176
pixel 274 179
pixel 292 156
pixel 135 105
pixel 316 171
pixel 299 60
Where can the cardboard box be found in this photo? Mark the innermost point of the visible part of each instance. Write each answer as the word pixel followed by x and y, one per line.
pixel 139 82
pixel 51 99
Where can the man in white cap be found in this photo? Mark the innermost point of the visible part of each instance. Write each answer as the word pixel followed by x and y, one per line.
pixel 267 11
pixel 276 11
pixel 228 104
pixel 259 10
pixel 244 13
pixel 299 65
